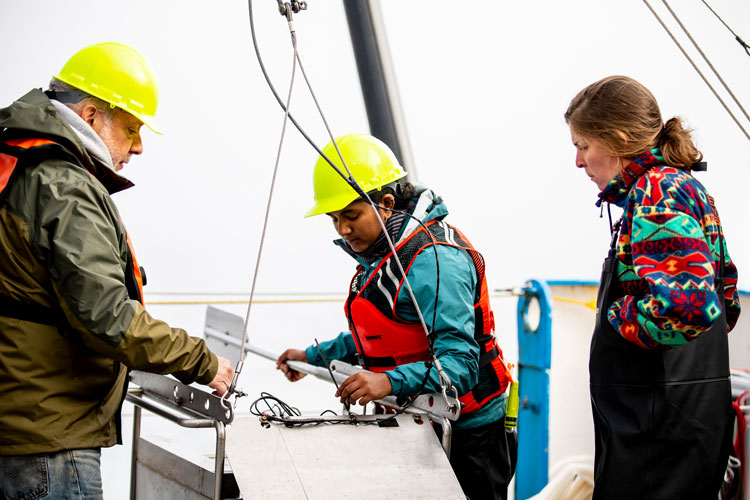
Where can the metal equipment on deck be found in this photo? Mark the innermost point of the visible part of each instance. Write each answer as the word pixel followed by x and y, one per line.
pixel 251 457
pixel 156 471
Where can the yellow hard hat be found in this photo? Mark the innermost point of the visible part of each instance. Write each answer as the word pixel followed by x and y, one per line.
pixel 118 74
pixel 371 163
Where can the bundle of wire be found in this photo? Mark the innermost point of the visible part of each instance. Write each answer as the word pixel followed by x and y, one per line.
pixel 280 412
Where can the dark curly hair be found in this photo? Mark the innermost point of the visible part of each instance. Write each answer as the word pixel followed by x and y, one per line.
pixel 403 192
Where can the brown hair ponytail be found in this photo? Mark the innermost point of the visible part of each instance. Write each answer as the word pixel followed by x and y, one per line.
pixel 623 115
pixel 677 146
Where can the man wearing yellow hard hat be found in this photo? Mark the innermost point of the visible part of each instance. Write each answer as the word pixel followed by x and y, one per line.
pixel 71 315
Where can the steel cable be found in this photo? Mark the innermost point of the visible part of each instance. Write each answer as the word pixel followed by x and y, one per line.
pixel 695 67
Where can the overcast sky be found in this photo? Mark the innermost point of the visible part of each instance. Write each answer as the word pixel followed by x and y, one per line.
pixel 483 88
pixel 483 93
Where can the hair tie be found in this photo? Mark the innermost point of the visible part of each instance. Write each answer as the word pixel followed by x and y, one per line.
pixel 663 134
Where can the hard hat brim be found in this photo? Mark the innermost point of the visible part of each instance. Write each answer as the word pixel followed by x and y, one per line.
pixel 331 205
pixel 369 163
pixel 150 122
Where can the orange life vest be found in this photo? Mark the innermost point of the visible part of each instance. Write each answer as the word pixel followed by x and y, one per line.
pixel 16 154
pixel 384 340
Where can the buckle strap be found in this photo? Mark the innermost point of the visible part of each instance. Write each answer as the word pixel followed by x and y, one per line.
pixel 488 356
pixel 392 361
pixel 379 362
pixel 25 311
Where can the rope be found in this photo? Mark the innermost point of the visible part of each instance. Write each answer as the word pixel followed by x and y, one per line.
pixel 695 44
pixel 695 67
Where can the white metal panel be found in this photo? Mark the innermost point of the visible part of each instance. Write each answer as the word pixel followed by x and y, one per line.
pixel 340 461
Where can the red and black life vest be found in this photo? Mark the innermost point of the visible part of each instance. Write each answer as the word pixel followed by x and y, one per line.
pixel 384 340
pixel 15 154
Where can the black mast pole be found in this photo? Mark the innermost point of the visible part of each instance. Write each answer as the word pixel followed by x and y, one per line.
pixel 377 79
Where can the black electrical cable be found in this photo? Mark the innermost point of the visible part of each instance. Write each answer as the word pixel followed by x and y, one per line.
pixel 350 180
pixel 705 58
pixel 354 185
pixel 281 412
pixel 411 399
pixel 736 36
pixel 695 67
pixel 430 337
pixel 283 407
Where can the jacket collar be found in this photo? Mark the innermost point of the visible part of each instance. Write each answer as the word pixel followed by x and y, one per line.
pixel 34 115
pixel 618 188
pixel 93 144
pixel 429 206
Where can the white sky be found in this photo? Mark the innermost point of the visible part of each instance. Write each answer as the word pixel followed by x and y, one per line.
pixel 483 86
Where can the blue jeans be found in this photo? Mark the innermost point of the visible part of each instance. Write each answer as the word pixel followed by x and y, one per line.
pixel 64 475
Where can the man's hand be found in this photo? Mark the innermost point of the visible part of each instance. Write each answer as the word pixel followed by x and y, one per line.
pixel 294 355
pixel 365 387
pixel 223 378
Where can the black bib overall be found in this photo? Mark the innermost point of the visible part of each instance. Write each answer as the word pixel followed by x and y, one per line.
pixel 662 418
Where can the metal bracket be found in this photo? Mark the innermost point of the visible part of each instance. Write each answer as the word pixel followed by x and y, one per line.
pixel 187 398
pixel 286 8
pixel 223 333
pixel 427 403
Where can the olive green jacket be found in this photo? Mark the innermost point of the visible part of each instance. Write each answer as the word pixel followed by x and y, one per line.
pixel 63 247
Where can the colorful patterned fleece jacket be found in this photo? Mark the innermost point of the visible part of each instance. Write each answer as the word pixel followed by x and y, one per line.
pixel 668 255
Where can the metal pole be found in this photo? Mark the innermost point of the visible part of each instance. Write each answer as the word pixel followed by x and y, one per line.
pixel 219 465
pixel 447 435
pixel 377 79
pixel 134 454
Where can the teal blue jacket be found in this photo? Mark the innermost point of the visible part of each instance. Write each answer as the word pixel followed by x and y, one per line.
pixel 454 344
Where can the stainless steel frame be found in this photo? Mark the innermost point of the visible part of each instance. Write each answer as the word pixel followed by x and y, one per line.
pixel 187 407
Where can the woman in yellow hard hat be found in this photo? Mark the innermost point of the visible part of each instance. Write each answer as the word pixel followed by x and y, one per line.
pixel 385 333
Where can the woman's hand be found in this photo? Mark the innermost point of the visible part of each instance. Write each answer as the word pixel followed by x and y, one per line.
pixel 293 355
pixel 365 387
